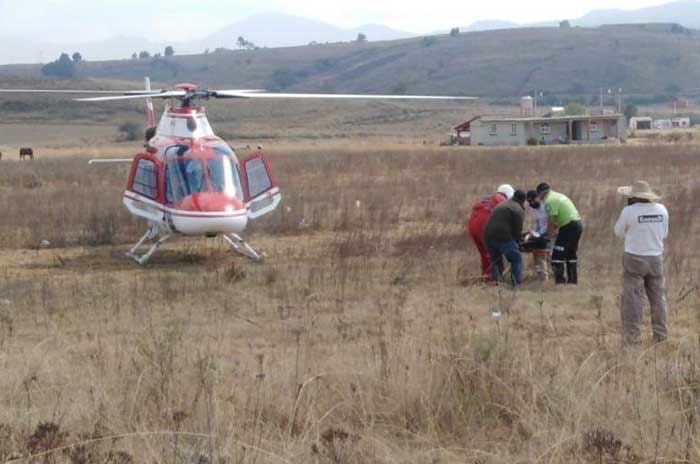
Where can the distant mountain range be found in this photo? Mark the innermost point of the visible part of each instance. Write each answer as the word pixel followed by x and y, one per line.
pixel 683 12
pixel 282 30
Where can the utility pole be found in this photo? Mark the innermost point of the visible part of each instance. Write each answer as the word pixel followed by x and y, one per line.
pixel 619 100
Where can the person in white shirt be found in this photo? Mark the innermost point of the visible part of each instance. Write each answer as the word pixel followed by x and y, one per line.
pixel 644 226
pixel 536 241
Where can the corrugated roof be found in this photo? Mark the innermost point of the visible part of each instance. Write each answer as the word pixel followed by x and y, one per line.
pixel 550 119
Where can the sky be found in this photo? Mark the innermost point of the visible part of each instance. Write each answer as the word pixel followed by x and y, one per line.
pixel 69 21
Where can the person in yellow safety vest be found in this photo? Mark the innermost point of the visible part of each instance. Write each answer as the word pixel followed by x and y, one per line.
pixel 564 223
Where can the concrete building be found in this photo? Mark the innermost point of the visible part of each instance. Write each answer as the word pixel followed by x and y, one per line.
pixel 672 123
pixel 518 131
pixel 641 123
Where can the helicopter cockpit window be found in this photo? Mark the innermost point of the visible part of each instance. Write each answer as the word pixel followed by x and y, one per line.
pixel 222 149
pixel 145 179
pixel 224 177
pixel 176 151
pixel 257 176
pixel 183 177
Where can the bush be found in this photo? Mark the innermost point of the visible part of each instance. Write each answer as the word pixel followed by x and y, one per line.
pixel 532 141
pixel 429 41
pixel 284 78
pixel 130 131
pixel 575 109
pixel 63 67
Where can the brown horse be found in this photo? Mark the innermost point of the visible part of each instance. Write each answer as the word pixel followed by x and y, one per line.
pixel 26 153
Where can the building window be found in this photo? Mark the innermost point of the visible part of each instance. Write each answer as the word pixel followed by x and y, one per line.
pixel 513 129
pixel 545 128
pixel 493 130
pixel 594 126
pixel 146 179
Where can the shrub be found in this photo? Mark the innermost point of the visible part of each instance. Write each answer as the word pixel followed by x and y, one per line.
pixel 130 130
pixel 429 41
pixel 63 67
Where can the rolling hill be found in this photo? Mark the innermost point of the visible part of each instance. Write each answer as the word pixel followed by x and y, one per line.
pixel 683 12
pixel 641 59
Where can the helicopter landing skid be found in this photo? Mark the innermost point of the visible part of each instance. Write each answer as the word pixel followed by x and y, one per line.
pixel 150 234
pixel 241 246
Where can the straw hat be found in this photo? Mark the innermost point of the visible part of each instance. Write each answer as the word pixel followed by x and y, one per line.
pixel 640 189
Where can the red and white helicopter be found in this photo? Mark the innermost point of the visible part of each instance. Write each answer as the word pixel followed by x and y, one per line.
pixel 189 181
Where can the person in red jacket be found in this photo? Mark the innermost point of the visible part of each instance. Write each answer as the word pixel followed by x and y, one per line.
pixel 477 220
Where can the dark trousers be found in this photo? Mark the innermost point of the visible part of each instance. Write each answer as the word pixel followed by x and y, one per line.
pixel 511 251
pixel 565 253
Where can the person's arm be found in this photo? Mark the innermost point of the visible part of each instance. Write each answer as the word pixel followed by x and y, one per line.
pixel 665 223
pixel 552 212
pixel 621 225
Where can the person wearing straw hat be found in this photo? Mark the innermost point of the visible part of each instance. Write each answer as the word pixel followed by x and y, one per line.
pixel 643 224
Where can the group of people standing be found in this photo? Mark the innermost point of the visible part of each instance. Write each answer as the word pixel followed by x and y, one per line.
pixel 496 225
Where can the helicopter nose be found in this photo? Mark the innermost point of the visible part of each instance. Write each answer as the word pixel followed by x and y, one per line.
pixel 209 213
pixel 211 202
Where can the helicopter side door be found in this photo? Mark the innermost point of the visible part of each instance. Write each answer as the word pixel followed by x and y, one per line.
pixel 144 189
pixel 260 190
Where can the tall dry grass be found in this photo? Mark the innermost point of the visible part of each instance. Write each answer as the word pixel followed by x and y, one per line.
pixel 356 341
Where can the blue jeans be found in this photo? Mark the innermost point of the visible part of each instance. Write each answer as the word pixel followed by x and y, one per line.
pixel 511 250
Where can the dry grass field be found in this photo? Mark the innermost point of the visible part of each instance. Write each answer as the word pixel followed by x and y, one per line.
pixel 360 339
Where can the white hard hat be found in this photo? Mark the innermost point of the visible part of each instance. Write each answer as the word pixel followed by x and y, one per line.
pixel 506 190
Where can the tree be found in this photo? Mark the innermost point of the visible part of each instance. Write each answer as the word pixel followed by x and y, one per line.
pixel 631 111
pixel 429 41
pixel 206 51
pixel 157 55
pixel 169 50
pixel 574 109
pixel 77 57
pixel 361 37
pixel 130 130
pixel 454 32
pixel 564 24
pixel 63 67
pixel 144 55
pixel 134 56
pixel 245 44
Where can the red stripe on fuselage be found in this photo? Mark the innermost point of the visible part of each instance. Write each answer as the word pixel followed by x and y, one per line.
pixel 184 213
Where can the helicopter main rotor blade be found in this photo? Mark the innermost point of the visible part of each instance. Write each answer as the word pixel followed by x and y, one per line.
pixel 248 94
pixel 137 95
pixel 48 91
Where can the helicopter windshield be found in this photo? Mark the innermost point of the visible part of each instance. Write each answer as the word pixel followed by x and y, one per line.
pixel 224 177
pixel 185 175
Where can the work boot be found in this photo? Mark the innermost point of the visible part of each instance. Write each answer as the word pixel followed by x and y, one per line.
pixel 572 272
pixel 558 269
